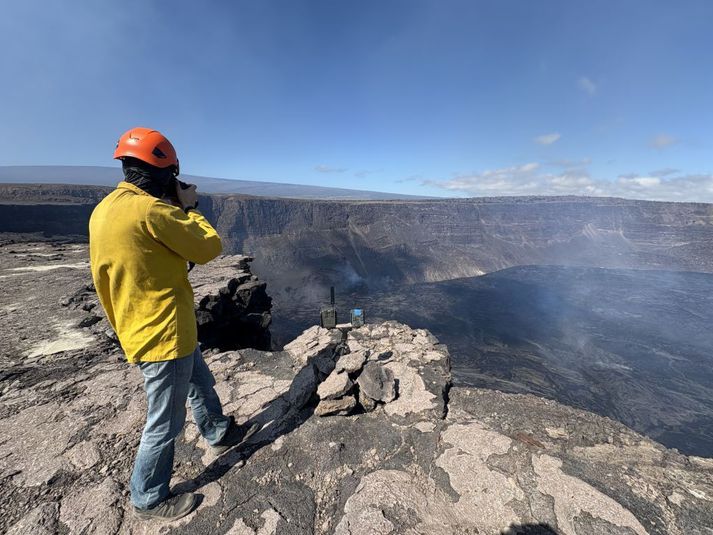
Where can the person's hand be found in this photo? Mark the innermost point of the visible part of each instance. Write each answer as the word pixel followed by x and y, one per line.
pixel 187 197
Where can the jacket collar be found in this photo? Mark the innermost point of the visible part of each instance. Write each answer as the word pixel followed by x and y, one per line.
pixel 126 185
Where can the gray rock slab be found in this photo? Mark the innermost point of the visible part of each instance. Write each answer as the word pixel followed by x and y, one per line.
pixel 94 509
pixel 227 271
pixel 42 520
pixel 352 362
pixel 314 342
pixel 335 386
pixel 342 406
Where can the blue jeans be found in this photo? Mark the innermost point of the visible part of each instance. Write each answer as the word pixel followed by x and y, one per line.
pixel 168 384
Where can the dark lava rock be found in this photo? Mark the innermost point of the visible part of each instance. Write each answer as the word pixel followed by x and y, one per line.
pixel 232 311
pixel 89 321
pixel 377 382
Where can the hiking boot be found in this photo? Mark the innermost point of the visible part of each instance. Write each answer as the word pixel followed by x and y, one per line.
pixel 172 508
pixel 236 434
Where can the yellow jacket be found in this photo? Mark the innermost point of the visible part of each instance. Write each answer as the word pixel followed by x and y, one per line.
pixel 138 248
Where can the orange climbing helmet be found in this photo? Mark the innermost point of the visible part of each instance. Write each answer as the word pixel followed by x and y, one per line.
pixel 147 145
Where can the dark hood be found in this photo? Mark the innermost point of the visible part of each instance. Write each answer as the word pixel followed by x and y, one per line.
pixel 155 181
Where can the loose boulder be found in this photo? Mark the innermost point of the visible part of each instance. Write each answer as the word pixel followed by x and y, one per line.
pixel 335 386
pixel 377 383
pixel 352 362
pixel 341 406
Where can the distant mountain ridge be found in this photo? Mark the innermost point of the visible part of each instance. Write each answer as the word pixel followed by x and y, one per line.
pixel 110 176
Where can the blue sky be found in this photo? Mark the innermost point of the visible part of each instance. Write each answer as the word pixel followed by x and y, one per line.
pixel 438 97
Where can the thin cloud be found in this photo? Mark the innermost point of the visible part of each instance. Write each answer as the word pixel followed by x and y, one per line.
pixel 639 181
pixel 516 180
pixel 364 173
pixel 329 169
pixel 410 178
pixel 587 85
pixel 566 164
pixel 537 179
pixel 662 141
pixel 547 139
pixel 666 171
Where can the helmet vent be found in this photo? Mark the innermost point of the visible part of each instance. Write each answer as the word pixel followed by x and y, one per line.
pixel 158 153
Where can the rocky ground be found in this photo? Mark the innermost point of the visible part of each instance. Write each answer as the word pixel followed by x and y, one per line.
pixel 423 458
pixel 39 277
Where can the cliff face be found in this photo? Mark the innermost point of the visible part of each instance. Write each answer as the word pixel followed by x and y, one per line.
pixel 45 193
pixel 385 242
pixel 436 240
pixel 232 305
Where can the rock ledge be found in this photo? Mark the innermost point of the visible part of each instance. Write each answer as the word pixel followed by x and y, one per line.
pixel 434 460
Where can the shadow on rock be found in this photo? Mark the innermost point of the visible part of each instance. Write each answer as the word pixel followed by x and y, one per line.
pixel 279 417
pixel 530 529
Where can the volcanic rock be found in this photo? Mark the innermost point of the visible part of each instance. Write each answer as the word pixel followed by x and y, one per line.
pixel 351 362
pixel 334 386
pixel 315 343
pixel 493 463
pixel 438 459
pixel 366 402
pixel 42 520
pixel 89 320
pixel 232 310
pixel 342 406
pixel 229 314
pixel 377 382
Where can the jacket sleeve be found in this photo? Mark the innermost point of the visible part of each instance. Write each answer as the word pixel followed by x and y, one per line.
pixel 187 234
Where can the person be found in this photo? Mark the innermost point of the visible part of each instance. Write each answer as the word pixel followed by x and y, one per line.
pixel 141 237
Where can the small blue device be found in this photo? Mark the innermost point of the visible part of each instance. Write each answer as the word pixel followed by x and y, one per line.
pixel 357 317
